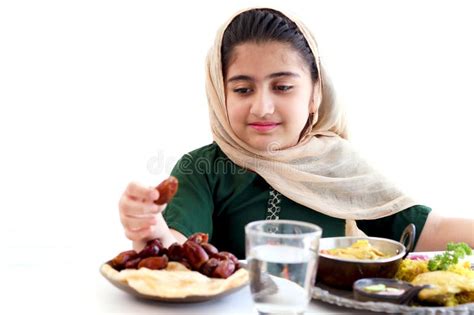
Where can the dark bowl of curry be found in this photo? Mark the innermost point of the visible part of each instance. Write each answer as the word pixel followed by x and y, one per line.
pixel 341 270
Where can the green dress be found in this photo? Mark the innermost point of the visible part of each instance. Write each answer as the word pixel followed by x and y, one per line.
pixel 217 197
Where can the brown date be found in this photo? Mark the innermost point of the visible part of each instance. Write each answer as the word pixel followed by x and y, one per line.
pixel 209 248
pixel 199 238
pixel 185 263
pixel 224 269
pixel 150 250
pixel 156 242
pixel 154 263
pixel 163 251
pixel 118 263
pixel 167 190
pixel 226 255
pixel 208 268
pixel 175 252
pixel 195 254
pixel 133 263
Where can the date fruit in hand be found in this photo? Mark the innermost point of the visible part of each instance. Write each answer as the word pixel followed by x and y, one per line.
pixel 167 190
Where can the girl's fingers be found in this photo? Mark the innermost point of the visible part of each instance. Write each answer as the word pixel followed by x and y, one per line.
pixel 140 234
pixel 138 192
pixel 136 224
pixel 138 212
pixel 131 207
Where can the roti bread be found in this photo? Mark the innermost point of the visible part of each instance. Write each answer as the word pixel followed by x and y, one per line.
pixel 176 281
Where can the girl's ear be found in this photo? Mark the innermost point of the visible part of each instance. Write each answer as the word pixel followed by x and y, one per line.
pixel 316 99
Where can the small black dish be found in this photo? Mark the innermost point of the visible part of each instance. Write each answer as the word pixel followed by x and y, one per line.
pixel 397 292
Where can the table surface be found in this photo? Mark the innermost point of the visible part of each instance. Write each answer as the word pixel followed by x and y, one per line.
pixel 81 289
pixel 70 285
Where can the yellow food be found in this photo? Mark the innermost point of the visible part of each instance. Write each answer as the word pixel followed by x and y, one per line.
pixel 409 269
pixel 449 288
pixel 361 249
pixel 463 269
pixel 452 287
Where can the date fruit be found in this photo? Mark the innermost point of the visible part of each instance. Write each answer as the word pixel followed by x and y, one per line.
pixel 149 250
pixel 195 254
pixel 209 248
pixel 226 255
pixel 167 190
pixel 133 263
pixel 154 263
pixel 199 238
pixel 175 252
pixel 156 242
pixel 224 269
pixel 121 259
pixel 208 268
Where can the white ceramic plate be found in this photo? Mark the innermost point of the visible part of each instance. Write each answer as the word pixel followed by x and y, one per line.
pixel 188 299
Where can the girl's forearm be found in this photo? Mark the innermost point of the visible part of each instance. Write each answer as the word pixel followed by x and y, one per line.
pixel 439 231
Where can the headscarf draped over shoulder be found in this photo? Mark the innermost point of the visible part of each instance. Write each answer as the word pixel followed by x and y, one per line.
pixel 323 171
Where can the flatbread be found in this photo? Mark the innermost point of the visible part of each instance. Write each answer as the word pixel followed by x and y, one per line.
pixel 176 281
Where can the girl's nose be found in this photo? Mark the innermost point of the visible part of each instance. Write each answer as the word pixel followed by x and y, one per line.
pixel 262 105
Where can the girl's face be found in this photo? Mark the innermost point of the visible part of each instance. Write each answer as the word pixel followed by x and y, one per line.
pixel 269 94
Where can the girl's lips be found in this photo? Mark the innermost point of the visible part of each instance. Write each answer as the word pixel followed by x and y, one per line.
pixel 263 126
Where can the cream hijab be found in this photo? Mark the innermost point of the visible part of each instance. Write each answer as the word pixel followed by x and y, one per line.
pixel 322 172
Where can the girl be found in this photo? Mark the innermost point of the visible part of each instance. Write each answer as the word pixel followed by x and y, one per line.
pixel 279 152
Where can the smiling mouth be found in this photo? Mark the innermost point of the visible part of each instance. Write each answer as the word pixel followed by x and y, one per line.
pixel 264 126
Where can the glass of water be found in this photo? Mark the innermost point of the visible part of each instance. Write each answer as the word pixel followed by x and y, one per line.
pixel 282 262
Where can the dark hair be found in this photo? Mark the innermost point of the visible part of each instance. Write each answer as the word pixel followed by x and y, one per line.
pixel 265 25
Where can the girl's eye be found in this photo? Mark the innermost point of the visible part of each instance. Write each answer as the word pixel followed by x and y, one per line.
pixel 242 90
pixel 283 88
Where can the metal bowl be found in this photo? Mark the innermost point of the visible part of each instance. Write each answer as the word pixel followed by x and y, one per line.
pixel 342 273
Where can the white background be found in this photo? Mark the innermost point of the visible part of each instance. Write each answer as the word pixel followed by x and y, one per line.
pixel 94 94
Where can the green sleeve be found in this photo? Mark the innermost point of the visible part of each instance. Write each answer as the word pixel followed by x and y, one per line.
pixel 392 226
pixel 191 209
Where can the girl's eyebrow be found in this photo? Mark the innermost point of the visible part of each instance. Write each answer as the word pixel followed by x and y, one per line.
pixel 242 77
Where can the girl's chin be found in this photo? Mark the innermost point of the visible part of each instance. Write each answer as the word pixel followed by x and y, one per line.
pixel 266 146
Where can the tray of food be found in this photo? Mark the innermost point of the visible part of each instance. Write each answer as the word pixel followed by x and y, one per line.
pixel 381 275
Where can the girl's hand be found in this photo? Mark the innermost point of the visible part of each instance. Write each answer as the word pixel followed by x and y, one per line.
pixel 140 216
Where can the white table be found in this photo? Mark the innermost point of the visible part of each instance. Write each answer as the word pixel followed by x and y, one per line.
pixel 70 287
pixel 58 281
pixel 240 302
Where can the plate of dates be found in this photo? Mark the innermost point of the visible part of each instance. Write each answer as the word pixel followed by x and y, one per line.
pixel 190 272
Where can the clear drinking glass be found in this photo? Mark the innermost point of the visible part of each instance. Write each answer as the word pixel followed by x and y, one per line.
pixel 282 262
